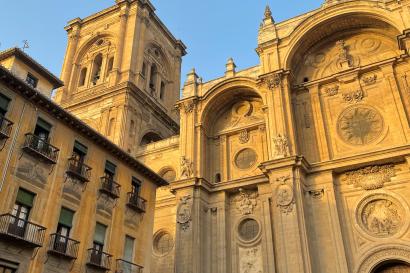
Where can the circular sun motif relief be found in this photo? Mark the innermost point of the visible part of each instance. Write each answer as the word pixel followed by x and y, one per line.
pixel 360 125
pixel 381 216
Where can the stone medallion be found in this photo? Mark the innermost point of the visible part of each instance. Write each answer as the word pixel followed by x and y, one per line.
pixel 360 125
pixel 380 215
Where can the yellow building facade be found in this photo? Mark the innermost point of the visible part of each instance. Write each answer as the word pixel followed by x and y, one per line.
pixel 70 199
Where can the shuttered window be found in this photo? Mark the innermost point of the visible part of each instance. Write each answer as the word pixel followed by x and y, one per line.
pixel 110 167
pixel 80 147
pixel 43 124
pixel 25 198
pixel 66 217
pixel 4 104
pixel 129 249
pixel 99 235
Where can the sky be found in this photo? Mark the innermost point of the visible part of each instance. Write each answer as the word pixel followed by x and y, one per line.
pixel 212 30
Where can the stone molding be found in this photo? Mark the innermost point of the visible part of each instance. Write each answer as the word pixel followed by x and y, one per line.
pixel 369 178
pixel 378 255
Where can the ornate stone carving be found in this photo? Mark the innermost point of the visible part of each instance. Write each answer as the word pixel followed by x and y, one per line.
pixel 397 252
pixel 250 260
pixel 246 201
pixel 184 212
pixel 272 81
pixel 344 58
pixel 284 195
pixel 244 136
pixel 317 194
pixel 369 178
pixel 189 107
pixel 281 148
pixel 380 215
pixel 368 80
pixel 353 97
pixel 186 168
pixel 360 125
pixel 332 91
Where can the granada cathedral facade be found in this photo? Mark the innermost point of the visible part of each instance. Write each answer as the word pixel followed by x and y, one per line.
pixel 300 164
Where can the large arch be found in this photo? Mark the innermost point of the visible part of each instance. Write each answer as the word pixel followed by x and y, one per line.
pixel 337 18
pixel 380 255
pixel 220 94
pixel 88 44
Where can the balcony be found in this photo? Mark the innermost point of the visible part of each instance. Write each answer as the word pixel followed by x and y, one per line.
pixel 123 266
pixel 78 170
pixel 5 127
pixel 63 246
pixel 136 202
pixel 110 187
pixel 99 259
pixel 40 149
pixel 21 231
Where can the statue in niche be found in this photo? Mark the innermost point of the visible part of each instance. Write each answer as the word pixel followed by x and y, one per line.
pixel 186 168
pixel 281 146
pixel 344 59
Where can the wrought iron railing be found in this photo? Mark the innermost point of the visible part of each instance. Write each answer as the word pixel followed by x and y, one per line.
pixel 110 187
pixel 99 259
pixel 17 229
pixel 63 246
pixel 5 127
pixel 77 169
pixel 40 148
pixel 122 266
pixel 136 202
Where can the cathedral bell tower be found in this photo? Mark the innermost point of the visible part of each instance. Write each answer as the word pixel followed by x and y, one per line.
pixel 122 74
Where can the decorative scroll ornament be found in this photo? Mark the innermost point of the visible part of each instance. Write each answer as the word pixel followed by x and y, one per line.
pixel 250 260
pixel 189 107
pixel 246 201
pixel 244 136
pixel 272 81
pixel 284 195
pixel 381 215
pixel 369 79
pixel 186 168
pixel 369 178
pixel 281 148
pixel 332 91
pixel 184 212
pixel 353 97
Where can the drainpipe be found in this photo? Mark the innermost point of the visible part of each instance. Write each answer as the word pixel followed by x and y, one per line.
pixel 13 144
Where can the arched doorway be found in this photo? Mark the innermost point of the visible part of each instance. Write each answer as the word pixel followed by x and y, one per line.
pixel 393 267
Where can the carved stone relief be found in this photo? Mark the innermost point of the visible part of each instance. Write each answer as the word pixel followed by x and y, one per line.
pixel 240 114
pixel 244 136
pixel 360 125
pixel 369 178
pixel 353 97
pixel 186 168
pixel 332 91
pixel 281 148
pixel 368 80
pixel 272 81
pixel 380 215
pixel 250 260
pixel 246 201
pixel 284 195
pixel 184 212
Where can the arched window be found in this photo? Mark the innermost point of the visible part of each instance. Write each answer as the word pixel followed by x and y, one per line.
pixel 83 75
pixel 153 78
pixel 150 137
pixel 96 75
pixel 144 69
pixel 162 91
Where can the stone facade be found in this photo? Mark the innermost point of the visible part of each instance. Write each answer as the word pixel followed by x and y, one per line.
pixel 299 164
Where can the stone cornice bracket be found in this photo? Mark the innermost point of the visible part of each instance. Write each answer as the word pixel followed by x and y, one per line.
pixel 404 41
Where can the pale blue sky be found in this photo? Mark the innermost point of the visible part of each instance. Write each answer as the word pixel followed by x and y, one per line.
pixel 213 30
